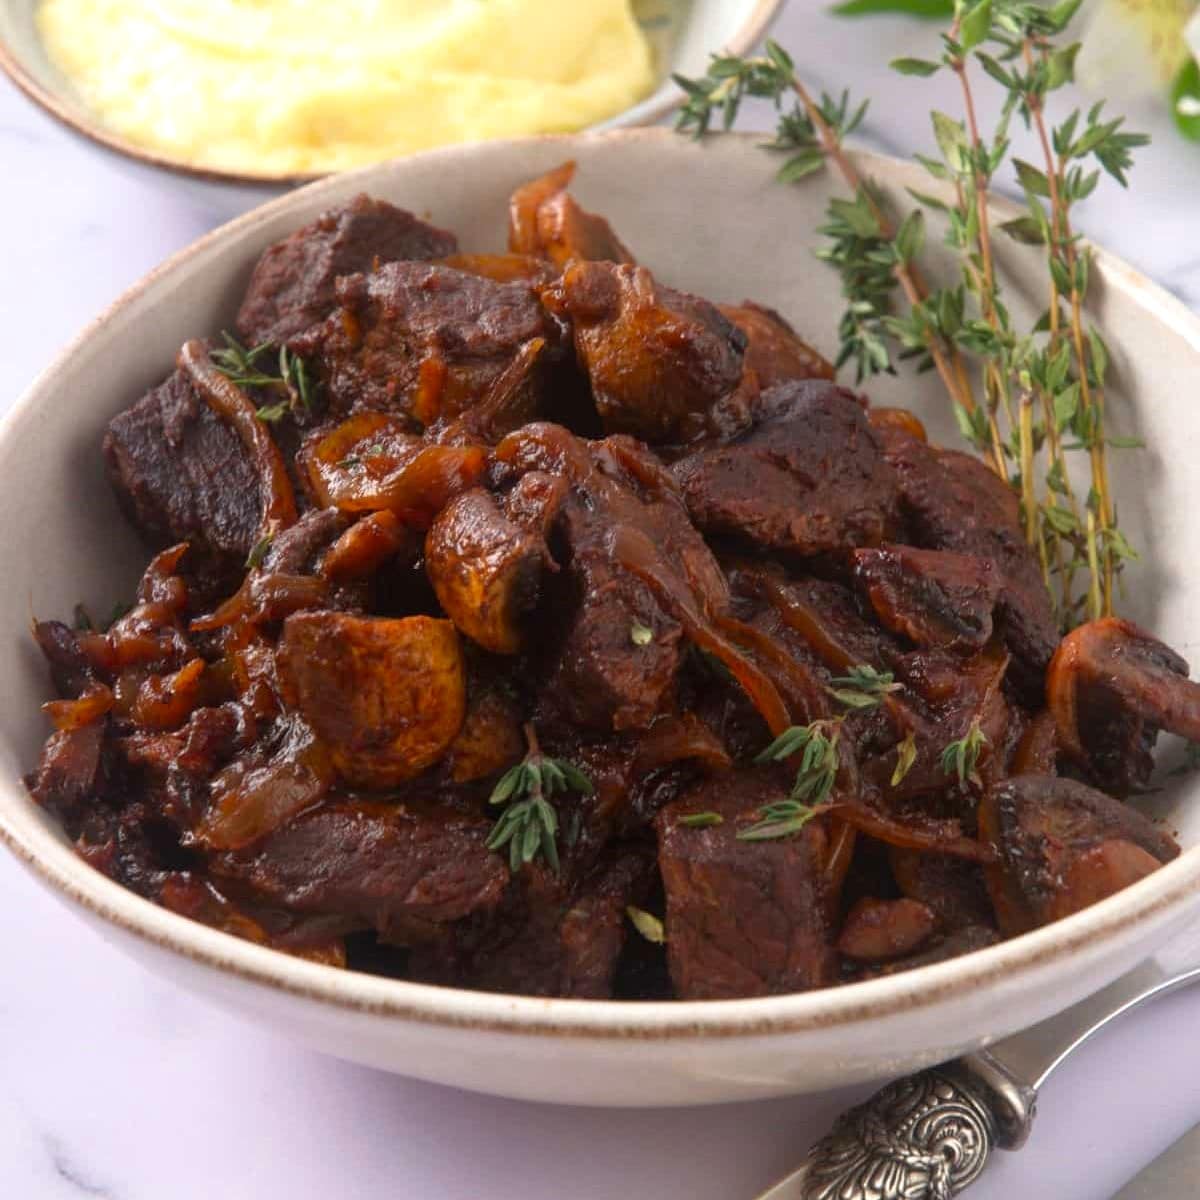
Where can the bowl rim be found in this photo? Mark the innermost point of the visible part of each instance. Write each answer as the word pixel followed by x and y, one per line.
pixel 27 832
pixel 660 103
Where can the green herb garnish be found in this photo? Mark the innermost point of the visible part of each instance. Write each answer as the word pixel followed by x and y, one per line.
pixel 817 745
pixel 240 364
pixel 259 551
pixel 779 820
pixel 647 924
pixel 862 687
pixel 961 758
pixel 906 756
pixel 529 825
pixel 701 820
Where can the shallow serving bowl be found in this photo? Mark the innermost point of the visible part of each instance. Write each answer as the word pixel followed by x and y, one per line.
pixel 716 223
pixel 682 32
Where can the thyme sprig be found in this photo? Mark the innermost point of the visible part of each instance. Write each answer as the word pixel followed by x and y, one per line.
pixel 1043 389
pixel 240 364
pixel 862 687
pixel 817 746
pixel 529 824
pixel 961 757
pixel 779 820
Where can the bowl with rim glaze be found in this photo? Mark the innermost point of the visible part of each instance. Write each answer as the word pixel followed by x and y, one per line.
pixel 714 222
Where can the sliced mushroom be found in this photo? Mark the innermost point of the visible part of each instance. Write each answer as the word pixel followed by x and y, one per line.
pixel 387 697
pixel 1062 846
pixel 1111 687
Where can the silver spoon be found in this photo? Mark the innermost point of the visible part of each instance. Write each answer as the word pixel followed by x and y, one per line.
pixel 928 1136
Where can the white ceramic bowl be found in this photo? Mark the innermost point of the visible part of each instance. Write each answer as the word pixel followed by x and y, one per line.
pixel 712 221
pixel 682 32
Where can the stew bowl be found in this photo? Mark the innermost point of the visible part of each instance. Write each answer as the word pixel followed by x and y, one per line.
pixel 713 221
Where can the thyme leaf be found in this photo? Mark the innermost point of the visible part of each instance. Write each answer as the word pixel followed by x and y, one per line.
pixel 961 757
pixel 647 924
pixel 817 746
pixel 862 687
pixel 701 820
pixel 529 824
pixel 780 820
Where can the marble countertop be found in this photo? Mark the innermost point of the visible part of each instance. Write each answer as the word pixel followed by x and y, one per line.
pixel 115 1083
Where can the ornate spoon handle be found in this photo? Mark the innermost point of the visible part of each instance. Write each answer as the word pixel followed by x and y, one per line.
pixel 928 1136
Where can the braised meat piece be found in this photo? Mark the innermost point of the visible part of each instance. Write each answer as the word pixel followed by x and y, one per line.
pixel 931 597
pixel 292 287
pixel 775 353
pixel 808 478
pixel 399 869
pixel 183 474
pixel 545 220
pixel 1111 688
pixel 620 540
pixel 1063 846
pixel 953 501
pixel 420 340
pixel 743 918
pixel 550 937
pixel 658 360
pixel 68 772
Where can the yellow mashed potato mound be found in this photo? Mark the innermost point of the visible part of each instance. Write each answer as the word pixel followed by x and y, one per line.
pixel 305 86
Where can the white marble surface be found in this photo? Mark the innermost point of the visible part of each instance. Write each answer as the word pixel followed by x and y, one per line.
pixel 115 1083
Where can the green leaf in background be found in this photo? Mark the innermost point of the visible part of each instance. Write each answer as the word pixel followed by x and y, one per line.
pixel 975 25
pixel 1185 101
pixel 915 66
pixel 929 9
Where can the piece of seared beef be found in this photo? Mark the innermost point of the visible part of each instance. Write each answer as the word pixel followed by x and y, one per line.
pixel 744 918
pixel 292 286
pixel 954 501
pixel 182 474
pixel 554 935
pixel 69 771
pixel 658 360
pixel 399 869
pixel 1062 847
pixel 808 478
pixel 422 340
pixel 634 570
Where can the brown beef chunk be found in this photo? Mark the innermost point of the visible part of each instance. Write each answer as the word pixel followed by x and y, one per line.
pixel 743 918
pixel 658 360
pixel 182 474
pixel 955 502
pixel 1062 846
pixel 932 597
pixel 69 770
pixel 551 937
pixel 399 869
pixel 422 340
pixel 292 286
pixel 808 478
pixel 631 561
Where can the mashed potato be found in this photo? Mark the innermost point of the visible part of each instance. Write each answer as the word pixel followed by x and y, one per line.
pixel 299 86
